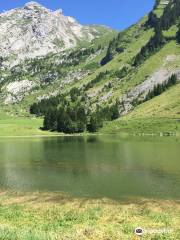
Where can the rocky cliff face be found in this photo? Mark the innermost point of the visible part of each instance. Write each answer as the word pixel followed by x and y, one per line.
pixel 34 30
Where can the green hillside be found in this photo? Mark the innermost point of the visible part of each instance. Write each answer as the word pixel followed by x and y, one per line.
pixel 111 77
pixel 159 115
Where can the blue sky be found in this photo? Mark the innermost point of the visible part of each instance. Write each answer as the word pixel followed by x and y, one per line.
pixel 117 14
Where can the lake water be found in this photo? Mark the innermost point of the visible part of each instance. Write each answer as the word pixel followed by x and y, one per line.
pixel 103 166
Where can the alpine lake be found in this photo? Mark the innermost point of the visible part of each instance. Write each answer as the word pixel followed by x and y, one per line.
pixel 108 166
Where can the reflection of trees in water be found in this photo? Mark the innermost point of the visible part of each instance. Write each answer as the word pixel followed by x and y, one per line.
pixel 92 139
pixel 88 166
pixel 66 154
pixel 14 164
pixel 2 164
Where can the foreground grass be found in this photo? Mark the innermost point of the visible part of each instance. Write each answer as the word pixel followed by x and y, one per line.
pixel 42 216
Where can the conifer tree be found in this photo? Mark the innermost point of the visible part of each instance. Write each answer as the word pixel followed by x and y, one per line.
pixel 178 34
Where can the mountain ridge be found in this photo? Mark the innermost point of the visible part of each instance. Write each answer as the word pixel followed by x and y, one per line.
pixel 33 30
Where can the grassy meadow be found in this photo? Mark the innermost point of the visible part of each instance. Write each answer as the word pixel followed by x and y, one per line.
pixel 52 216
pixel 21 126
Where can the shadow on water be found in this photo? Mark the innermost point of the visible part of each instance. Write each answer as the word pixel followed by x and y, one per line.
pixel 97 166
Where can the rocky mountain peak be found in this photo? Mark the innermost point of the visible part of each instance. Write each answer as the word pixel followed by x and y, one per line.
pixel 34 30
pixel 35 7
pixel 32 4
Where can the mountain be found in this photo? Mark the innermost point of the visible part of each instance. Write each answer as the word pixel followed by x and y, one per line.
pixel 38 48
pixel 34 30
pixel 132 75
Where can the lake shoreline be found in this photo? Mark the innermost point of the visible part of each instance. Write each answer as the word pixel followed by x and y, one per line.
pixel 140 134
pixel 31 127
pixel 53 196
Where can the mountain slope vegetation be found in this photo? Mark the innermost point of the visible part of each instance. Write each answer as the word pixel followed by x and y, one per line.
pixel 112 76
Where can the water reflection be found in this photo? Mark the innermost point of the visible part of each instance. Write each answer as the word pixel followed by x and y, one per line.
pixel 92 166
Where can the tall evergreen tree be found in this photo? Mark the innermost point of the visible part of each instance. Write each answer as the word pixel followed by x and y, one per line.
pixel 152 20
pixel 95 122
pixel 115 111
pixel 178 34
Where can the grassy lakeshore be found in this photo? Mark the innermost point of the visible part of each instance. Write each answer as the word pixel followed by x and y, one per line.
pixel 21 126
pixel 159 115
pixel 165 126
pixel 30 126
pixel 42 216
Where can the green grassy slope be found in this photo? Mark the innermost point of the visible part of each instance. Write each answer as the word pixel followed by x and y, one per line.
pixel 159 115
pixel 165 105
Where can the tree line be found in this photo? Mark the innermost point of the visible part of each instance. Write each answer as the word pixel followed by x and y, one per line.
pixel 97 79
pixel 154 44
pixel 113 48
pixel 157 90
pixel 170 16
pixel 72 114
pixel 160 88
